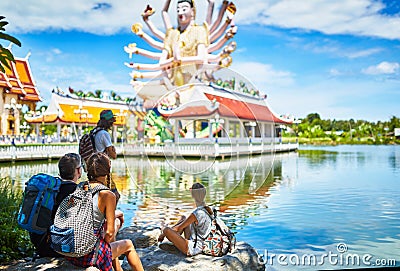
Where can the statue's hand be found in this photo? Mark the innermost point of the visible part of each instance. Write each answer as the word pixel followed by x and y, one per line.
pixel 138 29
pixel 231 32
pixel 231 8
pixel 148 12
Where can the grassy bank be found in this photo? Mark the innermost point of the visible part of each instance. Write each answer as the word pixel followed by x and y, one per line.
pixel 344 141
pixel 14 241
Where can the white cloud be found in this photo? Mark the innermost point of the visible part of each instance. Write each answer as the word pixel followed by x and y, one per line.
pixel 332 47
pixel 78 78
pixel 331 17
pixel 56 51
pixel 107 17
pixel 382 68
pixel 362 53
pixel 264 75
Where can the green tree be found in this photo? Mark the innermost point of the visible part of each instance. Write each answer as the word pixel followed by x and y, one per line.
pixel 312 117
pixel 394 123
pixel 5 55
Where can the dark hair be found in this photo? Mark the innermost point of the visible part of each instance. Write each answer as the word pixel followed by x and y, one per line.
pixel 98 164
pixel 105 124
pixel 197 186
pixel 187 1
pixel 68 164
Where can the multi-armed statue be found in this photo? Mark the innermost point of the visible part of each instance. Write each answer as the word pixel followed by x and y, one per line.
pixel 187 52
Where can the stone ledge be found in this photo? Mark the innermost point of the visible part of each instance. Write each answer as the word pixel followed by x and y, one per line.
pixel 154 258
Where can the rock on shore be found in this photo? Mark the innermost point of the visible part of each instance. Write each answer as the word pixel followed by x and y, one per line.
pixel 155 258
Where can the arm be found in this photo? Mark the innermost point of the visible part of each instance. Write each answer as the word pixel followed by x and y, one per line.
pixel 191 219
pixel 107 203
pixel 160 35
pixel 210 11
pixel 145 15
pixel 152 42
pixel 145 75
pixel 220 15
pixel 132 49
pixel 166 18
pixel 217 34
pixel 146 67
pixel 138 30
pixel 218 44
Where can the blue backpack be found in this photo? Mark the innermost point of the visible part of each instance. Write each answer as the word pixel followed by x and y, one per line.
pixel 37 205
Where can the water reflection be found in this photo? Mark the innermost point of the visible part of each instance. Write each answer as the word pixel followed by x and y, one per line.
pixel 237 187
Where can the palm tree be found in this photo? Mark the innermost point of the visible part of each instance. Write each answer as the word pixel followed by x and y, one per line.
pixel 5 55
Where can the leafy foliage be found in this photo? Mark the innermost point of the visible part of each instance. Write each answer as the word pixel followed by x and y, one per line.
pixel 14 241
pixel 5 55
pixel 347 131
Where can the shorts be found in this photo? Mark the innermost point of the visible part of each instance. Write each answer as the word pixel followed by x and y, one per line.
pixel 192 251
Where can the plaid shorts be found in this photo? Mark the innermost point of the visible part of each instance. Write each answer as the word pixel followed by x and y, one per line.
pixel 104 257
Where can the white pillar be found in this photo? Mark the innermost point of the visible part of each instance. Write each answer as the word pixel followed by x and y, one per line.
pixel 210 135
pixel 17 121
pixel 262 132
pixel 226 129
pixel 114 134
pixel 59 132
pixel 272 132
pixel 176 130
pixel 37 131
pixel 4 123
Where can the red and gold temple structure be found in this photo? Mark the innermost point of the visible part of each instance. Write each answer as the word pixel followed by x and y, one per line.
pixel 18 89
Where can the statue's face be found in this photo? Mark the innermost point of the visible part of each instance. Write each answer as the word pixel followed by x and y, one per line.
pixel 185 13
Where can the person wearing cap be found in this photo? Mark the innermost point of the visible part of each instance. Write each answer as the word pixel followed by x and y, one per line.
pixel 103 144
pixel 102 138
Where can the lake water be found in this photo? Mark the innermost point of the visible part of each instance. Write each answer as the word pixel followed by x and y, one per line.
pixel 320 208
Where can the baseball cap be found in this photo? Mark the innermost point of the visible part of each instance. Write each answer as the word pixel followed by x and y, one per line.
pixel 107 115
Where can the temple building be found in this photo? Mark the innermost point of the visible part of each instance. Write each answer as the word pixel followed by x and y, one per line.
pixel 18 89
pixel 68 111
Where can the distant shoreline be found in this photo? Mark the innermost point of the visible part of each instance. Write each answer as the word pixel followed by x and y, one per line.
pixel 331 142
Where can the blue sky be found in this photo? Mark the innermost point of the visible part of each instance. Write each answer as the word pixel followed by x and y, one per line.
pixel 340 59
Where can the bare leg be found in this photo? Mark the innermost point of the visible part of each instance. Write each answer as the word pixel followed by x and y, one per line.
pixel 177 239
pixel 126 247
pixel 116 264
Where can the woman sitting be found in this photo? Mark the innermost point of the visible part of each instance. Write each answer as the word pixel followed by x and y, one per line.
pixel 195 228
pixel 104 204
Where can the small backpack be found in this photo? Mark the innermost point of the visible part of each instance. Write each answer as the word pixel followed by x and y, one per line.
pixel 72 233
pixel 37 205
pixel 220 240
pixel 87 144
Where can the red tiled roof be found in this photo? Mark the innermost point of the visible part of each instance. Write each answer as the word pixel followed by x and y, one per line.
pixel 192 111
pixel 243 110
pixel 229 107
pixel 19 81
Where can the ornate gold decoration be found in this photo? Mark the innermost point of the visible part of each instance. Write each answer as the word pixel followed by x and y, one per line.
pixel 225 61
pixel 148 11
pixel 137 28
pixel 231 8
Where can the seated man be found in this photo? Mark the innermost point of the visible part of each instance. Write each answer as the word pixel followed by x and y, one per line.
pixel 70 170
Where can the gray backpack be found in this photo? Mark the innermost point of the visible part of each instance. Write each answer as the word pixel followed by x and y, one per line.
pixel 72 233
